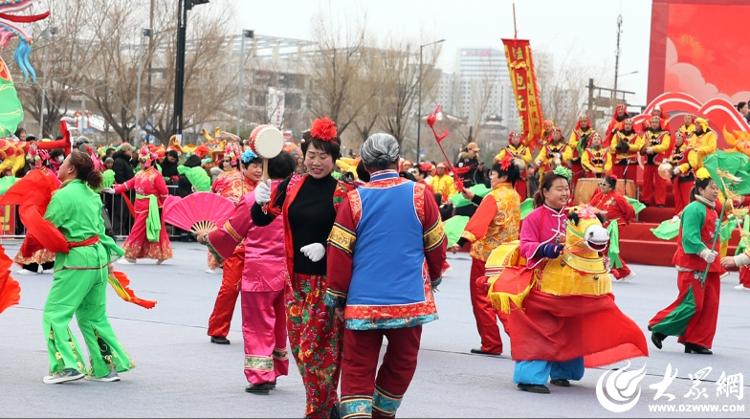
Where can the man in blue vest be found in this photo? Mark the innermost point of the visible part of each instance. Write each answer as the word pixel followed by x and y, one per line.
pixel 385 257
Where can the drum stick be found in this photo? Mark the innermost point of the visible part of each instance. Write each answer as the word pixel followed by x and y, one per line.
pixel 265 170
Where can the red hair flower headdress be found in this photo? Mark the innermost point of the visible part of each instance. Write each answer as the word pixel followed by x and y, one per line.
pixel 324 129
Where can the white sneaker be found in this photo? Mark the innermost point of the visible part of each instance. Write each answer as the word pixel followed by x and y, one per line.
pixel 25 272
pixel 109 378
pixel 210 271
pixel 741 287
pixel 68 374
pixel 126 261
pixel 48 271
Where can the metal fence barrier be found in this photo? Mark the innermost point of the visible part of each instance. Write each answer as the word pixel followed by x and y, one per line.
pixel 117 219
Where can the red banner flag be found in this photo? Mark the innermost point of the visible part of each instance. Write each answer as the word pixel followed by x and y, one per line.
pixel 523 78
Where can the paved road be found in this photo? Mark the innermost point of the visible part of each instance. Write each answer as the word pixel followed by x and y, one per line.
pixel 179 373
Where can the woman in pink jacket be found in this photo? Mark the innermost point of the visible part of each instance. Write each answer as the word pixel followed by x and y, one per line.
pixel 262 287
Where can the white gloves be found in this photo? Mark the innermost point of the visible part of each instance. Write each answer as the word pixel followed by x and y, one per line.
pixel 263 193
pixel 314 252
pixel 742 259
pixel 676 171
pixel 708 255
pixel 110 191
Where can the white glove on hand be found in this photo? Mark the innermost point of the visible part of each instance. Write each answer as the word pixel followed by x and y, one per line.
pixel 676 171
pixel 314 252
pixel 263 193
pixel 110 191
pixel 708 255
pixel 742 259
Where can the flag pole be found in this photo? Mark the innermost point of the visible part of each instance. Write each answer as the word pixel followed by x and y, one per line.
pixel 515 29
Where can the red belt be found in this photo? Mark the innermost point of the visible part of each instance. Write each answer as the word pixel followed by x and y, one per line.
pixel 88 242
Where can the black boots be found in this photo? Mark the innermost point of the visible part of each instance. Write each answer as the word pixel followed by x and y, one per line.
pixel 691 348
pixel 262 388
pixel 534 388
pixel 657 338
pixel 219 340
pixel 560 382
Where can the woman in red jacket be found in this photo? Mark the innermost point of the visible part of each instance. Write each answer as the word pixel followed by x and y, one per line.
pixel 617 210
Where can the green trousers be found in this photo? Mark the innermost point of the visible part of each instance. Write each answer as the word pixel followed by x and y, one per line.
pixel 83 293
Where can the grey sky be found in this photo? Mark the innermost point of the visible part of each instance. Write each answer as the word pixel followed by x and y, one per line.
pixel 579 30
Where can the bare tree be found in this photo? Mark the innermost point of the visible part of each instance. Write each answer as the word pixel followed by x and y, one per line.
pixel 59 60
pixel 563 89
pixel 401 89
pixel 99 54
pixel 336 70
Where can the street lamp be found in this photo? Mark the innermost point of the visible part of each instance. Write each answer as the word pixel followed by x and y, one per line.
pixel 179 81
pixel 48 33
pixel 628 73
pixel 250 34
pixel 419 101
pixel 146 33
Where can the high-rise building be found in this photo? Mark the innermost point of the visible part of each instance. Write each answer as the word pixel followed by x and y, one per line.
pixel 482 87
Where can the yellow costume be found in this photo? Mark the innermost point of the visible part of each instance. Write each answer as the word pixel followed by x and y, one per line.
pixel 444 185
pixel 521 152
pixel 597 162
pixel 701 145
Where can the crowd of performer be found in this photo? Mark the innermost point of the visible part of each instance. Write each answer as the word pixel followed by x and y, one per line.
pixel 332 254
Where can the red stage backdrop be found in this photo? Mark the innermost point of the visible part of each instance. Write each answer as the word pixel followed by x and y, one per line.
pixel 700 47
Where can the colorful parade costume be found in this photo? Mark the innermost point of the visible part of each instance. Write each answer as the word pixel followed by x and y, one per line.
pixel 264 275
pixel 41 257
pixel 693 315
pixel 579 143
pixel 496 221
pixel 596 162
pixel 559 305
pixel 551 155
pixel 233 186
pixel 520 153
pixel 654 190
pixel 382 273
pixel 701 145
pixel 444 185
pixel 616 123
pixel 148 238
pixel 79 285
pixel 624 147
pixel 617 210
pixel 683 182
pixel 308 209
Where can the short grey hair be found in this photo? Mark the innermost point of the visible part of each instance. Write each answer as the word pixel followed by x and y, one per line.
pixel 380 151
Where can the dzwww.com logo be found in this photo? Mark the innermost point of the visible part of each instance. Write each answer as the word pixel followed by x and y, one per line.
pixel 620 390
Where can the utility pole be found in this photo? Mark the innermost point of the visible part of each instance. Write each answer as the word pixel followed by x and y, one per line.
pixel 150 49
pixel 49 32
pixel 246 33
pixel 146 33
pixel 617 52
pixel 179 81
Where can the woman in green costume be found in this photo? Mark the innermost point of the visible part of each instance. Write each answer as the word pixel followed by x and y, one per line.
pixel 80 280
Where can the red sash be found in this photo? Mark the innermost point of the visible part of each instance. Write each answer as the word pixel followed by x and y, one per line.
pixel 88 242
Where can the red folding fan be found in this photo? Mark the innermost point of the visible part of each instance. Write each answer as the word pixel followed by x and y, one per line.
pixel 199 212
